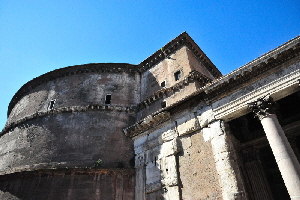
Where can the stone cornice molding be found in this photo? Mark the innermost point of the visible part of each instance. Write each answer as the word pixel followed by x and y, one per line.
pixel 262 107
pixel 147 123
pixel 163 115
pixel 222 86
pixel 182 40
pixel 69 109
pixel 164 92
pixel 70 71
pixel 228 110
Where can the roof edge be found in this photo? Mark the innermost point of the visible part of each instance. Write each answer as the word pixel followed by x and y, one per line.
pixel 254 68
pixel 182 40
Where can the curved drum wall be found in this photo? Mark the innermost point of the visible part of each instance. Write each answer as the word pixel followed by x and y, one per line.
pixel 79 130
pixel 78 90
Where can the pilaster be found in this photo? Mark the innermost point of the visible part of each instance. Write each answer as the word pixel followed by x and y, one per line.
pixel 226 161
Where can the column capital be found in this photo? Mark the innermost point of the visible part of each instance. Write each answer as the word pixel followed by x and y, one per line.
pixel 262 107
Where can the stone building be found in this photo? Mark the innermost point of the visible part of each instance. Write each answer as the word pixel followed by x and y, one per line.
pixel 171 127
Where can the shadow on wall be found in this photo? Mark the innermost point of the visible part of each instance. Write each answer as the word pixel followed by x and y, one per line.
pixel 75 184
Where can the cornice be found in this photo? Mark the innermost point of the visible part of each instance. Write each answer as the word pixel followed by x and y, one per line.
pixel 160 94
pixel 147 123
pixel 70 71
pixel 279 85
pixel 224 85
pixel 182 40
pixel 163 114
pixel 69 109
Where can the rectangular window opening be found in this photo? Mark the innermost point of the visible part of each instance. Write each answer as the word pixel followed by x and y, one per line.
pixel 108 99
pixel 163 84
pixel 177 75
pixel 51 104
pixel 163 104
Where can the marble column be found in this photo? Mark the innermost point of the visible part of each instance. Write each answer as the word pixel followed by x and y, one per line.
pixel 285 157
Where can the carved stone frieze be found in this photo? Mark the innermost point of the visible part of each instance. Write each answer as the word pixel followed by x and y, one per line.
pixel 235 104
pixel 262 107
pixel 147 123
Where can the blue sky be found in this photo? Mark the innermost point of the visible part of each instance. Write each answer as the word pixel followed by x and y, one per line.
pixel 39 36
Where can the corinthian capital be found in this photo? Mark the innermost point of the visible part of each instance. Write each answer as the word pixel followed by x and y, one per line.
pixel 262 107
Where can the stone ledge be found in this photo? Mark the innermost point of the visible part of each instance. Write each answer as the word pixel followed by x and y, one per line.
pixel 146 124
pixel 152 187
pixel 70 109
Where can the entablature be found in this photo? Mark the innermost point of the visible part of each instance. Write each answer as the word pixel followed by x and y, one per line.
pixel 258 68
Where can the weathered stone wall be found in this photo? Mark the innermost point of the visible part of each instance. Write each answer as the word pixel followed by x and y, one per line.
pixel 164 71
pixel 193 75
pixel 64 122
pixel 69 184
pixel 169 98
pixel 68 140
pixel 172 158
pixel 79 128
pixel 198 174
pixel 195 64
pixel 197 169
pixel 79 90
pixel 155 164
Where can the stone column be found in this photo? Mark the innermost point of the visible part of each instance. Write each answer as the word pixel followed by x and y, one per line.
pixel 140 178
pixel 286 160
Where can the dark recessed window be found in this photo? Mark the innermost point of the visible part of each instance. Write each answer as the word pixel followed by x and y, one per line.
pixel 163 104
pixel 51 104
pixel 108 99
pixel 177 75
pixel 163 84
